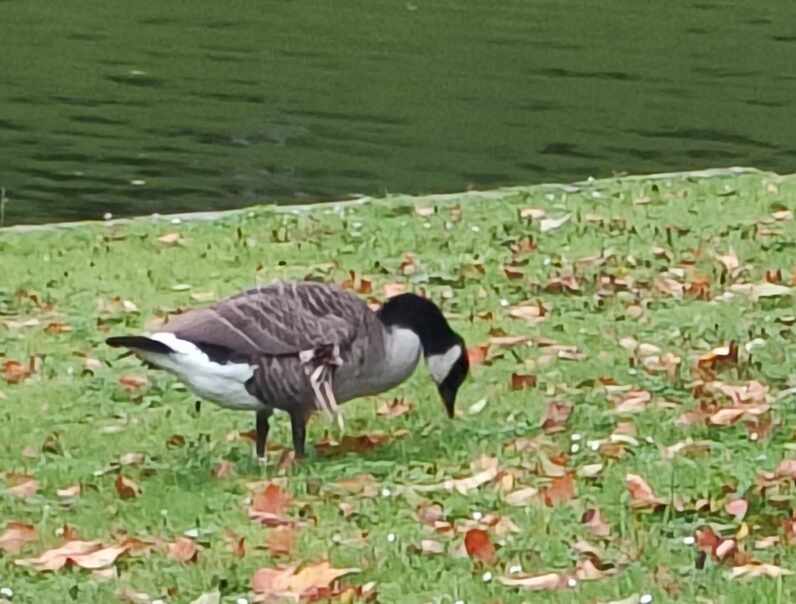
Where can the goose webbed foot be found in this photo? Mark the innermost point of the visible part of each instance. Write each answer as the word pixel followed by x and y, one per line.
pixel 263 415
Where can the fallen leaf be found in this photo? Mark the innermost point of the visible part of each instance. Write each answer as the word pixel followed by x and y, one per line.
pixel 737 508
pixel 101 558
pixel 479 546
pixel 16 536
pixel 521 497
pixel 758 569
pixel 170 239
pixel 126 487
pixel 21 485
pixel 281 540
pixel 560 490
pixel 477 354
pixel 431 547
pixel 133 383
pixel 57 558
pixel 550 224
pixel 69 492
pixel 521 381
pixel 223 469
pixel 531 313
pixel 351 444
pixel 15 372
pixel 183 550
pixel 550 581
pixel 592 519
pixel 57 327
pixel 396 408
pixel 314 581
pixel 236 543
pixel 556 417
pixel 641 494
pixel 270 504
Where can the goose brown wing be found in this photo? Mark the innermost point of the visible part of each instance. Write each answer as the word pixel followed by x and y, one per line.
pixel 277 319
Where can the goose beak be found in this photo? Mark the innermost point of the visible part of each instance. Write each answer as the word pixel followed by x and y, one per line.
pixel 448 394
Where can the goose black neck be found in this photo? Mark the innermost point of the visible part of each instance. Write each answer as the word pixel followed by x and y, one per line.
pixel 424 318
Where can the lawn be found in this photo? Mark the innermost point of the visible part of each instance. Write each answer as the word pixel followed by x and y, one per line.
pixel 624 433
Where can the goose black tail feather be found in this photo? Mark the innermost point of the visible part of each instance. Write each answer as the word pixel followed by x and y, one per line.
pixel 139 343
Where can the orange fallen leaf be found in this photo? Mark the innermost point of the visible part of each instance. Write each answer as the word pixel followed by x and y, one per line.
pixel 641 494
pixel 57 558
pixel 560 490
pixel 133 383
pixel 521 381
pixel 57 327
pixel 270 504
pixel 126 487
pixel 183 550
pixel 479 546
pixel 477 354
pixel 16 536
pixel 281 540
pixel 314 581
pixel 15 372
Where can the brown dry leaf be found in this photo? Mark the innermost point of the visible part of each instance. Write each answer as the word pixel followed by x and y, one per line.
pixel 21 485
pixel 235 543
pixel 314 581
pixel 131 459
pixel 479 546
pixel 431 547
pixel 69 492
pixel 183 550
pixel 564 284
pixel 464 485
pixel 170 239
pixel 560 490
pixel 533 313
pixel 363 485
pixel 592 519
pixel 521 497
pixel 133 383
pixel 395 408
pixel 281 540
pixel 758 569
pixel 270 504
pixel 556 417
pixel 477 354
pixel 101 558
pixel 634 401
pixel 502 341
pixel 15 372
pixel 126 487
pixel 550 581
pixel 16 536
pixel 57 327
pixel 351 444
pixel 57 558
pixel 641 494
pixel 521 381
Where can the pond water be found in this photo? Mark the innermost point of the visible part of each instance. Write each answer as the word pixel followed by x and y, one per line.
pixel 141 107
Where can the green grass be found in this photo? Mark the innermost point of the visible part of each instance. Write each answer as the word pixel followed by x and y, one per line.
pixel 89 421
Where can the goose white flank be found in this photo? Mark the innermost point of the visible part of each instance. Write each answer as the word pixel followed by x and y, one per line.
pixel 303 347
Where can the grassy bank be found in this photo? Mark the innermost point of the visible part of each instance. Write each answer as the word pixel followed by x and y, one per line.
pixel 625 334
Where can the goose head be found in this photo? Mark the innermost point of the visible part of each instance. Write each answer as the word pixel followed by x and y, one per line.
pixel 444 349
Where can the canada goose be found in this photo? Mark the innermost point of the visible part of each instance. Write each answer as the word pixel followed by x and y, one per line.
pixel 302 347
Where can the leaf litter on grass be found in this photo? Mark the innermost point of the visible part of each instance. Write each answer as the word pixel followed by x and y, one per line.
pixel 649 333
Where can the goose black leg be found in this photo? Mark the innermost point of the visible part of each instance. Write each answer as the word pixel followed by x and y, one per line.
pixel 263 415
pixel 298 424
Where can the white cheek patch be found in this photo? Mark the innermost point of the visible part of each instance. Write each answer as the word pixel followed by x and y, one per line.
pixel 440 364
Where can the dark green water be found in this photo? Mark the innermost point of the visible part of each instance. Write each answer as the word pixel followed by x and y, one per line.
pixel 140 107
